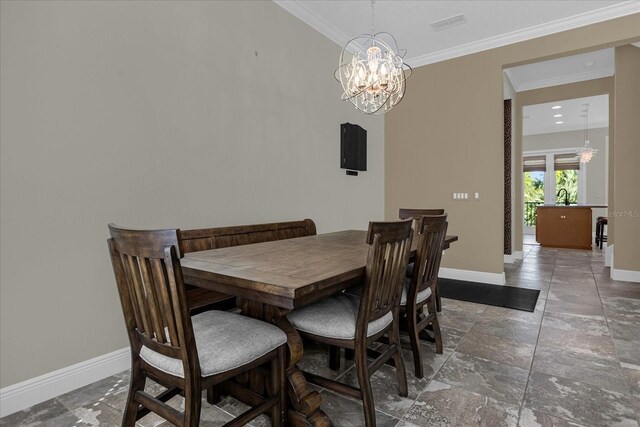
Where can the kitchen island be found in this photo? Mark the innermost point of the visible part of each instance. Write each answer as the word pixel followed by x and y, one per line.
pixel 565 226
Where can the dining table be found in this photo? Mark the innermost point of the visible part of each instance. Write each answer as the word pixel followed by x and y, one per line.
pixel 272 278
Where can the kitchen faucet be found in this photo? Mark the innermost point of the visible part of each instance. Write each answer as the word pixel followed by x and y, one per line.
pixel 566 195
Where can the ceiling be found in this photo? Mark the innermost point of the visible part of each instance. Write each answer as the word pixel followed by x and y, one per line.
pixel 474 26
pixel 538 119
pixel 485 25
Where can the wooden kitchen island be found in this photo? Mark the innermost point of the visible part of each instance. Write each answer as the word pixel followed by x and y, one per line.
pixel 560 226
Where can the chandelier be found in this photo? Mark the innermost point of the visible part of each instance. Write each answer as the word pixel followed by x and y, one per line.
pixel 586 153
pixel 372 72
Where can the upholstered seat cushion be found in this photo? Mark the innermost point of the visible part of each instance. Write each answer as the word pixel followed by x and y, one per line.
pixel 334 317
pixel 422 295
pixel 225 341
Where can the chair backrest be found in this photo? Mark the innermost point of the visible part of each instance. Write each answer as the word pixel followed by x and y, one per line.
pixel 390 246
pixel 417 214
pixel 203 239
pixel 146 264
pixel 431 239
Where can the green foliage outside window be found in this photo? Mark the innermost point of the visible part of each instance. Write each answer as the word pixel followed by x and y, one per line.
pixel 534 191
pixel 568 180
pixel 533 196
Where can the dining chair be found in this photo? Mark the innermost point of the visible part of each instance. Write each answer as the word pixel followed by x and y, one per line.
pixel 416 215
pixel 354 323
pixel 183 353
pixel 419 290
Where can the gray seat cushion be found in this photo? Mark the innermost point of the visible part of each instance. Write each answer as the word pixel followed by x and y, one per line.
pixel 225 341
pixel 334 317
pixel 422 295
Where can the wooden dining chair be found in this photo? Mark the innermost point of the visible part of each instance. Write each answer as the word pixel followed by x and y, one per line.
pixel 183 353
pixel 354 323
pixel 416 215
pixel 419 290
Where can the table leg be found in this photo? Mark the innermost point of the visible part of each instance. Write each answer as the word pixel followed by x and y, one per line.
pixel 304 401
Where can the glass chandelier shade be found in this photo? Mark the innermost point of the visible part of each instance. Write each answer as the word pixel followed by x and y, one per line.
pixel 586 153
pixel 372 73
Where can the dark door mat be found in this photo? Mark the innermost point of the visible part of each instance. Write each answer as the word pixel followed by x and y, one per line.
pixel 501 296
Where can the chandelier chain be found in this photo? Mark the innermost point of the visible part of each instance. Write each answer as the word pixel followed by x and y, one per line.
pixel 586 123
pixel 373 22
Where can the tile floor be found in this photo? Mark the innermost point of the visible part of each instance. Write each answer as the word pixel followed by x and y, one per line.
pixel 575 361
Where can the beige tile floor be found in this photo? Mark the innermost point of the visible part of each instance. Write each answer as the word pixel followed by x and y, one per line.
pixel 574 361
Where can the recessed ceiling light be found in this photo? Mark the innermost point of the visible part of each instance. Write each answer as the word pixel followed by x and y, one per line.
pixel 559 123
pixel 555 107
pixel 557 115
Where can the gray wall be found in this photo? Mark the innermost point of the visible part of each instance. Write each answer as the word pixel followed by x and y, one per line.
pixel 154 114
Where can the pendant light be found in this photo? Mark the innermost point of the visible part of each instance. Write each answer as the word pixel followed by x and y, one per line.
pixel 372 72
pixel 586 153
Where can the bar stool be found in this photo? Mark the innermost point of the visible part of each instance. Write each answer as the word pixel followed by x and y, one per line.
pixel 601 221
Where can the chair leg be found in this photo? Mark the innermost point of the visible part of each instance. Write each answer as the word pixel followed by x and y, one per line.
pixel 192 403
pixel 438 300
pixel 278 388
pixel 334 357
pixel 435 324
pixel 412 319
pixel 394 339
pixel 138 380
pixel 213 394
pixel 597 232
pixel 349 354
pixel 362 369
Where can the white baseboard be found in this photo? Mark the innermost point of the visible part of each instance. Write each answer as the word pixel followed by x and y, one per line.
pixel 472 276
pixel 20 396
pixel 509 259
pixel 518 254
pixel 608 256
pixel 625 275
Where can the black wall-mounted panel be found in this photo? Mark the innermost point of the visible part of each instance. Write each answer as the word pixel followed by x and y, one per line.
pixel 353 147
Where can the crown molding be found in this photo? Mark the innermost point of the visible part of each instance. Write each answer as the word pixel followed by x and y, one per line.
pixel 298 9
pixel 565 24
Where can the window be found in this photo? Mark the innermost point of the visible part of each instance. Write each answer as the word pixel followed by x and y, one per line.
pixel 545 175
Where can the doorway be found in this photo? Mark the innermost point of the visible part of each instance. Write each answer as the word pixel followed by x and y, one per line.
pixel 553 135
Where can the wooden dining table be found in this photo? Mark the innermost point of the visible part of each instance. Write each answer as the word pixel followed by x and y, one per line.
pixel 272 278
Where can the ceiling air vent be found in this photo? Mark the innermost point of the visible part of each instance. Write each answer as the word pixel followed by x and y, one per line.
pixel 445 24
